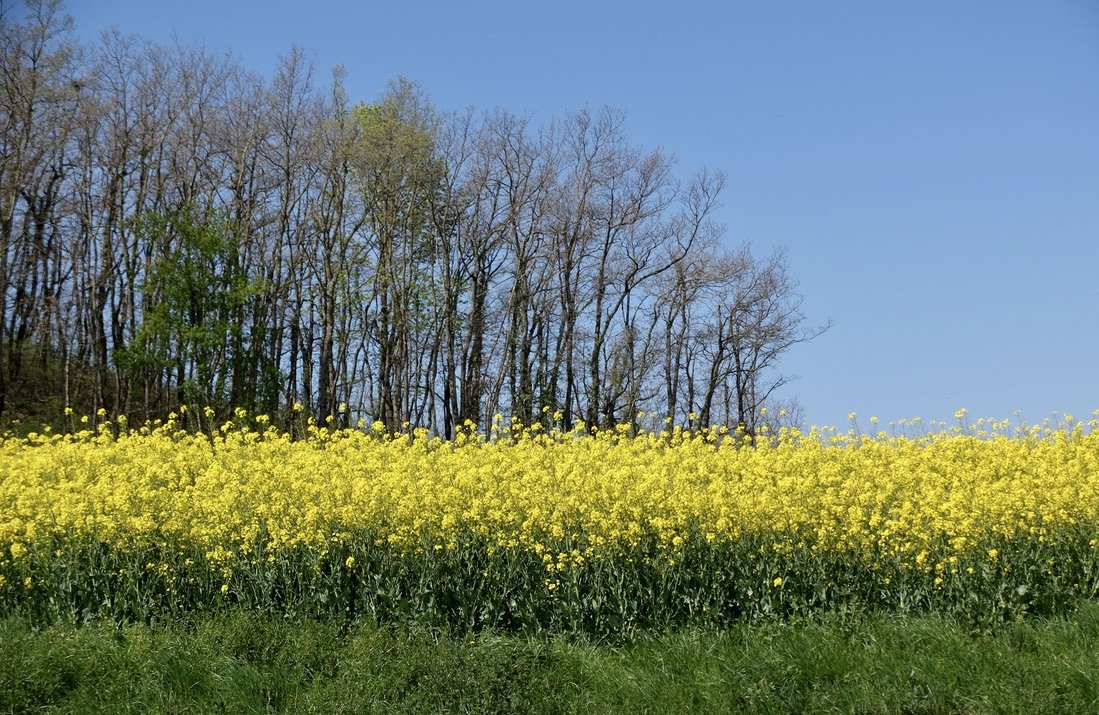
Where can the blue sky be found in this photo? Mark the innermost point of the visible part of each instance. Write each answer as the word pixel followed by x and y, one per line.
pixel 931 168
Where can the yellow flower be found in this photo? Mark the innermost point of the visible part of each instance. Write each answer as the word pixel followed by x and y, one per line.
pixel 930 503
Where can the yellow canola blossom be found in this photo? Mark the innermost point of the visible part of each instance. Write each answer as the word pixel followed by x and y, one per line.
pixel 917 499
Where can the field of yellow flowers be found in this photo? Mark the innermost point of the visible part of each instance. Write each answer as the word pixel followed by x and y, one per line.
pixel 528 529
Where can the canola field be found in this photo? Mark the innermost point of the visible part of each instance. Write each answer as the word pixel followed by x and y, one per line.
pixel 526 529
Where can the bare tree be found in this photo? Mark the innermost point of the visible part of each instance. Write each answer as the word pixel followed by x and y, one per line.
pixel 38 94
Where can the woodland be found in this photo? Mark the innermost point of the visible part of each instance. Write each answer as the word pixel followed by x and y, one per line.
pixel 177 230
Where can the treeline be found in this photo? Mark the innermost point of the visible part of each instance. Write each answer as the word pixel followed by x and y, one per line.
pixel 177 230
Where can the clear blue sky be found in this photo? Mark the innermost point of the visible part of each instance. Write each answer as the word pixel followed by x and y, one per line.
pixel 932 168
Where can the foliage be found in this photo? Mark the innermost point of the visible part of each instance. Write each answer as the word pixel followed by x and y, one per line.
pixel 196 294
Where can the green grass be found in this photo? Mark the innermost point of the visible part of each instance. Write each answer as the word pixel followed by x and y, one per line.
pixel 239 662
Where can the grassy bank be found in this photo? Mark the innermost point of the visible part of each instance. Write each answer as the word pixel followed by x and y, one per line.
pixel 241 662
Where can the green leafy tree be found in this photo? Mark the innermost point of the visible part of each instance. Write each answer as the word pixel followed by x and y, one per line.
pixel 400 176
pixel 191 340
